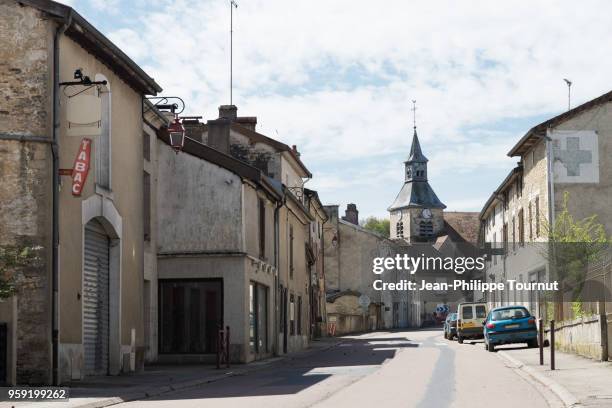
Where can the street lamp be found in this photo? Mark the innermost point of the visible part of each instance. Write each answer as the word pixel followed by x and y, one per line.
pixel 177 134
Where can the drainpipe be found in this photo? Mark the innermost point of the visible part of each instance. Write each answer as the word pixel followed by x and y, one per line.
pixel 55 249
pixel 277 310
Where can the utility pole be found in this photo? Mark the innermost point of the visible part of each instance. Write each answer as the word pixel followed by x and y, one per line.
pixel 569 92
pixel 233 5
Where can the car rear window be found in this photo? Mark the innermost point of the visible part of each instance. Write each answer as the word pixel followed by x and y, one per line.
pixel 467 312
pixel 481 311
pixel 508 314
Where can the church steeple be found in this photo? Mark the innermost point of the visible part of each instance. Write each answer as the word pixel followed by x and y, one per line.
pixel 416 155
pixel 416 165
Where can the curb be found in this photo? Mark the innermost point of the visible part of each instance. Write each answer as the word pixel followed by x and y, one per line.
pixel 567 398
pixel 164 389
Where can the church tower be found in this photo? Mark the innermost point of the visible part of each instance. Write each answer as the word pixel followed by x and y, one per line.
pixel 416 215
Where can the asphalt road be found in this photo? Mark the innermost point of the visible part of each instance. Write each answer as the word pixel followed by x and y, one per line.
pixel 378 370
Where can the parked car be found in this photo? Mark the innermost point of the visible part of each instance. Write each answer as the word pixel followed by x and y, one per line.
pixel 469 320
pixel 450 326
pixel 510 324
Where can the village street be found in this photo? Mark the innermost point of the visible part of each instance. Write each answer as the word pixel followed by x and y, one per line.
pixel 390 369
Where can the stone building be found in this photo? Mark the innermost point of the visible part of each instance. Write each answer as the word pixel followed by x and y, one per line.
pixel 292 261
pixel 316 263
pixel 349 254
pixel 217 250
pixel 571 153
pixel 71 157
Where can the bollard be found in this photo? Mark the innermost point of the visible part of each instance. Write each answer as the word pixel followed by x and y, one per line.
pixel 552 344
pixel 227 346
pixel 541 339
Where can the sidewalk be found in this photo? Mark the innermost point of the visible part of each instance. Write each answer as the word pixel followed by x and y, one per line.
pixel 155 380
pixel 577 381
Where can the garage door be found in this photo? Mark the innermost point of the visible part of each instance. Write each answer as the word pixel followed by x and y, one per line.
pixel 95 299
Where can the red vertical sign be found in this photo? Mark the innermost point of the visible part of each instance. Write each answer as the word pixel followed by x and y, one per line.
pixel 81 167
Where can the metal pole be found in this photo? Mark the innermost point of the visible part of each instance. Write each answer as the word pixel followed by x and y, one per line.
pixel 541 339
pixel 231 49
pixel 227 346
pixel 233 5
pixel 552 344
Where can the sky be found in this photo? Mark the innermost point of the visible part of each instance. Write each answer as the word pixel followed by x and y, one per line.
pixel 337 79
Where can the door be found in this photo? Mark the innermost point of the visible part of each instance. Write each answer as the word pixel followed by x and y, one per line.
pixel 96 299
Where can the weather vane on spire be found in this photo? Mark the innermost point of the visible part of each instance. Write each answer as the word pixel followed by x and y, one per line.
pixel 414 108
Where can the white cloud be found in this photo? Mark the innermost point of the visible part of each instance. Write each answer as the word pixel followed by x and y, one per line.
pixel 468 64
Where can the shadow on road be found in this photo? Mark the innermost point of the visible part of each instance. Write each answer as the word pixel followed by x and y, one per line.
pixel 351 357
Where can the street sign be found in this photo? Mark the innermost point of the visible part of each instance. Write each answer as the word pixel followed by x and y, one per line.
pixel 364 301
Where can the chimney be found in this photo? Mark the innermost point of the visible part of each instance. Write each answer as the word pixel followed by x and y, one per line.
pixel 295 150
pixel 351 214
pixel 193 127
pixel 218 134
pixel 228 112
pixel 332 212
pixel 249 122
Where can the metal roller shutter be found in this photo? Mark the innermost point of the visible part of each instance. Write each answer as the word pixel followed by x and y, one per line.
pixel 95 299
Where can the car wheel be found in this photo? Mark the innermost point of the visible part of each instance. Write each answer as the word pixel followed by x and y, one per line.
pixel 460 339
pixel 491 347
pixel 533 343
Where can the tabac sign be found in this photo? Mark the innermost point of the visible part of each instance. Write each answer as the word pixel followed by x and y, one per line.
pixel 81 167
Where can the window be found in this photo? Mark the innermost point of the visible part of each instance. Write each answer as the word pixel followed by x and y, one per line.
pixel 467 312
pixel 291 314
pixel 505 238
pixel 481 312
pixel 509 314
pixel 426 229
pixel 146 202
pixel 530 215
pixel 400 229
pixel 537 216
pixel 262 228
pixel 291 251
pixel 258 318
pixel 146 146
pixel 494 246
pixel 521 228
pixel 513 233
pixel 299 315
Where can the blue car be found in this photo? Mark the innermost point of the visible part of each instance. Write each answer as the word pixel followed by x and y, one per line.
pixel 508 325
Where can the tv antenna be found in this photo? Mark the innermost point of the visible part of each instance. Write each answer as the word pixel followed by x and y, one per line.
pixel 569 92
pixel 233 5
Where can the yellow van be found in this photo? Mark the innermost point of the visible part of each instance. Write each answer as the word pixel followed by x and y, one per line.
pixel 470 318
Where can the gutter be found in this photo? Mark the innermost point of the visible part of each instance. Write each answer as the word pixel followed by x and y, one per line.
pixel 55 229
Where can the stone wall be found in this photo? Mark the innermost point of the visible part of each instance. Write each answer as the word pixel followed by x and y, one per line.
pixel 26 172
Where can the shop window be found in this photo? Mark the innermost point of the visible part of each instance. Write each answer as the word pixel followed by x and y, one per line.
pixel 191 311
pixel 258 318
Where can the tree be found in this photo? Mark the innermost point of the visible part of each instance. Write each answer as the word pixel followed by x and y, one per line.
pixel 13 258
pixel 572 246
pixel 378 225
